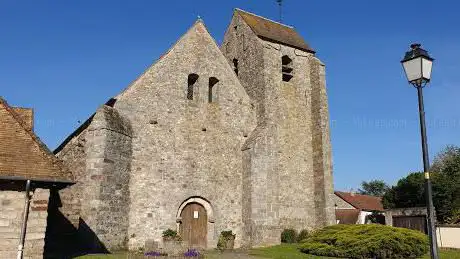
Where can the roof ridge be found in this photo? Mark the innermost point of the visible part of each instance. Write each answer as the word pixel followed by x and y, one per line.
pixel 265 18
pixel 355 193
pixel 42 147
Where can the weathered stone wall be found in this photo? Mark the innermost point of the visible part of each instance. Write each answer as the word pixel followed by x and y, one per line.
pixel 65 205
pixel 321 144
pixel 287 158
pixel 11 216
pixel 109 212
pixel 413 211
pixel 74 156
pixel 98 204
pixel 240 44
pixel 186 148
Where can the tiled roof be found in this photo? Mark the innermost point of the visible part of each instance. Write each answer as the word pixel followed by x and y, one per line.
pixel 26 115
pixel 362 202
pixel 347 216
pixel 22 155
pixel 273 31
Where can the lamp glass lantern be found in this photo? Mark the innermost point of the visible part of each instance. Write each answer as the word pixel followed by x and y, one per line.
pixel 417 65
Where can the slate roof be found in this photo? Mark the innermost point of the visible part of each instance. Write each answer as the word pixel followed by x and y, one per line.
pixel 347 216
pixel 269 30
pixel 362 202
pixel 23 156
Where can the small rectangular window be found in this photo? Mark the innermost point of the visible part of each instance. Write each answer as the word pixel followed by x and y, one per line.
pixel 212 82
pixel 192 78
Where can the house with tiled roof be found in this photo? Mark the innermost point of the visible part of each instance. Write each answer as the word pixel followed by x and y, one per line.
pixel 353 208
pixel 29 172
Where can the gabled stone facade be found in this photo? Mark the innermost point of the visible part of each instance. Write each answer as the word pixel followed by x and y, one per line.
pixel 252 150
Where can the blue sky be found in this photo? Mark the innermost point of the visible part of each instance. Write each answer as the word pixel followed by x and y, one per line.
pixel 65 58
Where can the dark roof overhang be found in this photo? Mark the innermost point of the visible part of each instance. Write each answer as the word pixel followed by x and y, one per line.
pixel 35 182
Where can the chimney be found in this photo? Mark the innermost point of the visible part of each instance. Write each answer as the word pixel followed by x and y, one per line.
pixel 352 192
pixel 26 115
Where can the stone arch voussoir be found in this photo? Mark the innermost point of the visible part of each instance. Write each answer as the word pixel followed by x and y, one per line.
pixel 203 202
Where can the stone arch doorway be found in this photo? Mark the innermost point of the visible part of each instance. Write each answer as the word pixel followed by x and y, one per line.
pixel 194 222
pixel 193 227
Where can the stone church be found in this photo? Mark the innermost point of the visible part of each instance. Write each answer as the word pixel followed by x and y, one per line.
pixel 209 138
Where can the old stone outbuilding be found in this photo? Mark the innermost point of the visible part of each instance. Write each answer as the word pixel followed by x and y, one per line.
pixel 209 138
pixel 24 157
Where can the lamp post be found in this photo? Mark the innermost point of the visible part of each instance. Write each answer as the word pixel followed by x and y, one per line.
pixel 417 65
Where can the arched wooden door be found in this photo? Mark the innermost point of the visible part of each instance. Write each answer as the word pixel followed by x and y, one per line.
pixel 193 227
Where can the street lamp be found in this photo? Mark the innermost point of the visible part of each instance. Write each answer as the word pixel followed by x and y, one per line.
pixel 417 65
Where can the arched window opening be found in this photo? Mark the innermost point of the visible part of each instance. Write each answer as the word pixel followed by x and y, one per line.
pixel 212 81
pixel 192 78
pixel 235 66
pixel 286 68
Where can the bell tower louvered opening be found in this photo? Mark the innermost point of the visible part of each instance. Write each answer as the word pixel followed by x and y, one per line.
pixel 286 68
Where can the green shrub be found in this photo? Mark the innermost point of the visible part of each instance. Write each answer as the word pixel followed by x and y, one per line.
pixel 289 236
pixel 366 241
pixel 227 234
pixel 226 240
pixel 303 234
pixel 170 234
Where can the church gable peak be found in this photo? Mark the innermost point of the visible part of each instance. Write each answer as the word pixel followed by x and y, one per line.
pixel 191 43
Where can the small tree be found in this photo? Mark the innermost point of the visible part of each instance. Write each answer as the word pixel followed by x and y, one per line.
pixel 445 177
pixel 408 192
pixel 374 188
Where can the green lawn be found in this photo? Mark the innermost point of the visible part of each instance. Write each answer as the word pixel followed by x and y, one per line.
pixel 290 252
pixel 447 254
pixel 275 252
pixel 283 251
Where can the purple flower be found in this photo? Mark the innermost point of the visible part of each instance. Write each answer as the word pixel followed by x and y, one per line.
pixel 191 253
pixel 155 253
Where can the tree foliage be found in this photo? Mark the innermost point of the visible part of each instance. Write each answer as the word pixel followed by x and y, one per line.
pixel 445 176
pixel 408 192
pixel 374 188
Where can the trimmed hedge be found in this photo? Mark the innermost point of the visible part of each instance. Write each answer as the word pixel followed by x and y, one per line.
pixel 303 234
pixel 366 241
